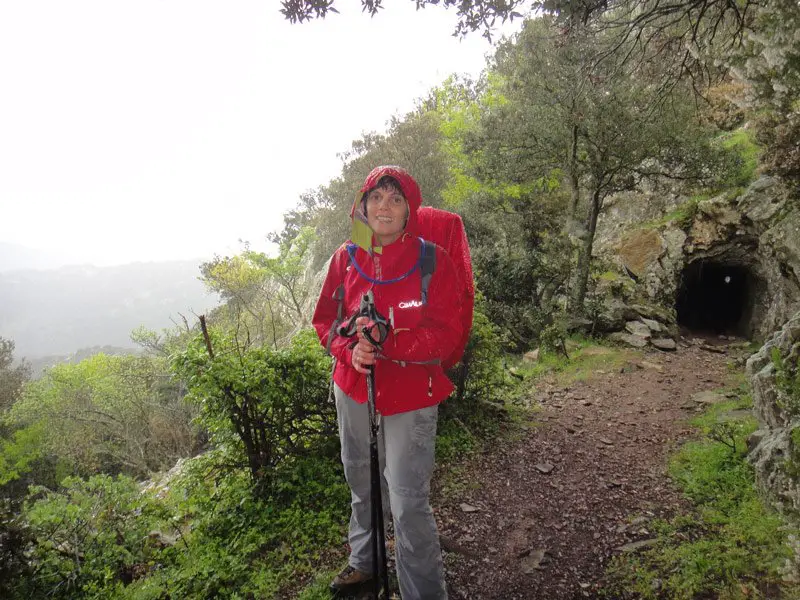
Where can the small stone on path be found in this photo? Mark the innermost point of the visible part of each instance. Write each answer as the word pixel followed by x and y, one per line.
pixel 648 365
pixel 664 343
pixel 708 397
pixel 533 560
pixel 634 546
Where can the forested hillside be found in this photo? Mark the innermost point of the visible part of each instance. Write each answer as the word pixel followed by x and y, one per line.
pixel 592 106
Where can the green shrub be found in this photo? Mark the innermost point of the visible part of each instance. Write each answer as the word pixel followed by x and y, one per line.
pixel 552 339
pixel 482 382
pixel 105 414
pixel 787 380
pixel 268 406
pixel 686 214
pixel 207 535
pixel 14 540
pixel 241 544
pixel 90 537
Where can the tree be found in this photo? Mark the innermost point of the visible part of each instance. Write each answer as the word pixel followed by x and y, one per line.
pixel 472 16
pixel 696 22
pixel 248 294
pixel 601 125
pixel 12 378
pixel 291 272
pixel 265 298
pixel 111 414
pixel 770 63
pixel 520 257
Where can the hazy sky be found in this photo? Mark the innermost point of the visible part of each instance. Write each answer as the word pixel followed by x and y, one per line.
pixel 154 130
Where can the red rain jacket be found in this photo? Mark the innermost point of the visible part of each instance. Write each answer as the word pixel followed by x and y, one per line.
pixel 419 334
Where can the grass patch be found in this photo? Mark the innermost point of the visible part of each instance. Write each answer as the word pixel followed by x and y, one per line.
pixel 683 216
pixel 319 589
pixel 745 153
pixel 716 413
pixel 731 546
pixel 454 440
pixel 587 357
pixel 609 276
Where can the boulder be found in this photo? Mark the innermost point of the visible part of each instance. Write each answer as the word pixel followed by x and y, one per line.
pixel 639 249
pixel 638 329
pixel 626 338
pixel 612 315
pixel 578 324
pixel 656 313
pixel 664 343
pixel 762 200
pixel 652 325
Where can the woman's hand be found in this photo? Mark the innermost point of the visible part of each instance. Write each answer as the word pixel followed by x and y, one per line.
pixel 363 353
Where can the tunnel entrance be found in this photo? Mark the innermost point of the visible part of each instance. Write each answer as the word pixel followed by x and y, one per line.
pixel 717 298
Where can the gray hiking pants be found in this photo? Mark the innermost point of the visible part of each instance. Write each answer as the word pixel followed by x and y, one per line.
pixel 406 450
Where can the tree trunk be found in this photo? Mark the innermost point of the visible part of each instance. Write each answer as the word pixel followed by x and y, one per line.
pixel 575 192
pixel 585 258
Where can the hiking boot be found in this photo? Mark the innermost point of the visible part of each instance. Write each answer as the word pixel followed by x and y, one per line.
pixel 349 580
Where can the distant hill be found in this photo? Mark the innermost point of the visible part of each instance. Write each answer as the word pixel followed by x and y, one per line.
pixel 60 311
pixel 14 257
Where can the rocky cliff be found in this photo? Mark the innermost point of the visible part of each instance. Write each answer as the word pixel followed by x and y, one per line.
pixel 697 256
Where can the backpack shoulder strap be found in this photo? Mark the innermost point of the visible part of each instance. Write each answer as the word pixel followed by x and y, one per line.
pixel 427 262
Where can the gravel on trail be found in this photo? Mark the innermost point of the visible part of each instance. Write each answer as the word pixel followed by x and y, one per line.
pixel 539 517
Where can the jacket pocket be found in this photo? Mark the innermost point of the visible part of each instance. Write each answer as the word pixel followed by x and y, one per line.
pixel 406 315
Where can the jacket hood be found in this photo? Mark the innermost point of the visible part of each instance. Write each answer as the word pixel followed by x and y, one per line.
pixel 410 191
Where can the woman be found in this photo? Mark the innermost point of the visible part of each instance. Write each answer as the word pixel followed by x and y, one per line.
pixel 410 382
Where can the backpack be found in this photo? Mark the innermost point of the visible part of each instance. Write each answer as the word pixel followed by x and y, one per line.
pixel 446 229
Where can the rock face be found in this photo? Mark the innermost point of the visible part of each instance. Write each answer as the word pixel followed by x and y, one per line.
pixel 652 246
pixel 639 249
pixel 775 447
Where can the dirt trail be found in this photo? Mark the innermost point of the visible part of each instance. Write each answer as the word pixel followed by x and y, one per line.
pixel 540 517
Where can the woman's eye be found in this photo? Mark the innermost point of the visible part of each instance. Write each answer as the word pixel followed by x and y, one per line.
pixel 397 200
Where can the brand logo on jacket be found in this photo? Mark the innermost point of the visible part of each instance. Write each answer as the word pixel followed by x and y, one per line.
pixel 410 304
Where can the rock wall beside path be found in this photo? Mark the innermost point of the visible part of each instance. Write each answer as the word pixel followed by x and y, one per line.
pixel 775 447
pixel 648 241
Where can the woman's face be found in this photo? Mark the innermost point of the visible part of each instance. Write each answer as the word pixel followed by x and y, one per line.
pixel 387 212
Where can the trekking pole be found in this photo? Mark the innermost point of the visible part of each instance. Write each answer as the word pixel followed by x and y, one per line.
pixel 380 569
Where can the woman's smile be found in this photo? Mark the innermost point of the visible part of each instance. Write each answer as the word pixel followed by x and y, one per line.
pixel 387 211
